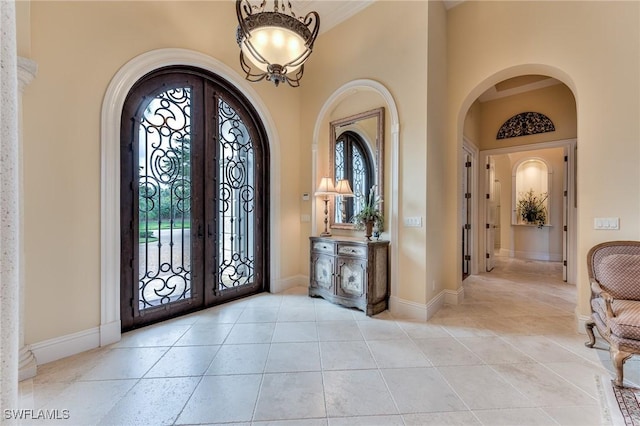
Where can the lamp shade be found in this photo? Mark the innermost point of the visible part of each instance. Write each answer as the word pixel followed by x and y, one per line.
pixel 326 187
pixel 343 188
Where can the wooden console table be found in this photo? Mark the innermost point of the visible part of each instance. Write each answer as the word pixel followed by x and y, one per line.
pixel 351 272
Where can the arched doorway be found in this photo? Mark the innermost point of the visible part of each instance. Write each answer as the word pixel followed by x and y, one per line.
pixel 193 205
pixel 496 100
pixel 116 93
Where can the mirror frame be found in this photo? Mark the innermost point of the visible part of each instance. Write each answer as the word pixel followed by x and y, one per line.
pixel 378 156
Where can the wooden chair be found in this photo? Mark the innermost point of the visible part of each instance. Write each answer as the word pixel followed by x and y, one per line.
pixel 614 274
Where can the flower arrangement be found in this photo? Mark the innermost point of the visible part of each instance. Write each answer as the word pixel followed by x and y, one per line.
pixel 370 214
pixel 531 207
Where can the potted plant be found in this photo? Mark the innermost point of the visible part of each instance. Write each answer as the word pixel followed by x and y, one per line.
pixel 370 214
pixel 531 208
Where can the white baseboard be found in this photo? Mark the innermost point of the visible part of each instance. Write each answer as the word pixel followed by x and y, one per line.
pixel 110 333
pixel 289 283
pixel 537 255
pixel 422 312
pixel 581 320
pixel 28 367
pixel 454 297
pixel 64 346
pixel 407 309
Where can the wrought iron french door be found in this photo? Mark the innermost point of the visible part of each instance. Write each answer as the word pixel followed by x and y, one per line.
pixel 193 197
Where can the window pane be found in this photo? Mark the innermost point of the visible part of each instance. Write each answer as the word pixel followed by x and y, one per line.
pixel 164 199
pixel 236 204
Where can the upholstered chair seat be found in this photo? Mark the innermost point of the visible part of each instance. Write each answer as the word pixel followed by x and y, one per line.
pixel 614 273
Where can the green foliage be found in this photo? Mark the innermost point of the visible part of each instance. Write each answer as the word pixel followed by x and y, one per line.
pixel 531 208
pixel 370 211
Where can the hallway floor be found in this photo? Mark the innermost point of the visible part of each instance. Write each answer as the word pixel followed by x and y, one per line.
pixel 509 355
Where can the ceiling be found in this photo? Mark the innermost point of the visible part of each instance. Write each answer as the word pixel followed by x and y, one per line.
pixel 517 85
pixel 334 12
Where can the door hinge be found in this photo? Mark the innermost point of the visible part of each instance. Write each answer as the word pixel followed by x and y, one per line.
pixel 487 255
pixel 467 226
pixel 488 166
pixel 564 263
pixel 564 228
pixel 486 225
pixel 467 195
pixel 131 302
pixel 565 193
pixel 488 196
pixel 566 158
pixel 467 257
pixel 131 263
pixel 467 164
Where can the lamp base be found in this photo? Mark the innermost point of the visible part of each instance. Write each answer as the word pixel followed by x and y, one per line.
pixel 325 234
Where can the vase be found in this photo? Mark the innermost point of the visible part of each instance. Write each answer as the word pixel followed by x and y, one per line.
pixel 368 229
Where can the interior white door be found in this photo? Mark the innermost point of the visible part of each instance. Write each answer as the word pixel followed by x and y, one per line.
pixel 565 214
pixel 490 210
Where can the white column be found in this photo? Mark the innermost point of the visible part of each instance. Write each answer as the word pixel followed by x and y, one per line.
pixel 27 365
pixel 9 205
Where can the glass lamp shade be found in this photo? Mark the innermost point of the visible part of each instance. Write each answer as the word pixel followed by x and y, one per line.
pixel 275 45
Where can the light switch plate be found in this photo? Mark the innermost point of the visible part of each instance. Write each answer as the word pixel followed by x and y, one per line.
pixel 413 222
pixel 607 223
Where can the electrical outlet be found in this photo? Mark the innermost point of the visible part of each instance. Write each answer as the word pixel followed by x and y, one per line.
pixel 413 222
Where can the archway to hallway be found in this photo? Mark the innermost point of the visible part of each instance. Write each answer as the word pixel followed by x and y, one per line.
pixel 494 233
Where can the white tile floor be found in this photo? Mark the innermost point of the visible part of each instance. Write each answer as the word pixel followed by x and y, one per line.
pixel 509 355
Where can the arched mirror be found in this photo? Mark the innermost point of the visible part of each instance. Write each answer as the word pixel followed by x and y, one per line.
pixel 356 155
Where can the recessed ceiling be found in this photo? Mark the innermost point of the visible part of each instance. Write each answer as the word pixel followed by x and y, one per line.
pixel 517 85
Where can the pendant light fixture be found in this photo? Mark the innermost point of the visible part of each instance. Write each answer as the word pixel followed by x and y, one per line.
pixel 275 43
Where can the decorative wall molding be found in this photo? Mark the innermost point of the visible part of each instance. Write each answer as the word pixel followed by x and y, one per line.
pixel 525 123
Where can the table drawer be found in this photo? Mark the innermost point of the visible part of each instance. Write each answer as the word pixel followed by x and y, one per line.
pixel 349 250
pixel 322 247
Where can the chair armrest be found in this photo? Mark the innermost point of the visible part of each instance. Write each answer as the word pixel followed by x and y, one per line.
pixel 608 299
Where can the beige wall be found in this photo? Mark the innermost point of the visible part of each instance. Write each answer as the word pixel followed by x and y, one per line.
pixel 365 46
pixel 79 46
pixel 593 47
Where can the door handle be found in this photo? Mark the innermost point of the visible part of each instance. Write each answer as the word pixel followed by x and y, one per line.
pixel 200 235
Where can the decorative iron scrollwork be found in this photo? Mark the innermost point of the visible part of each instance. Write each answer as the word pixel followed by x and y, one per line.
pixel 525 123
pixel 236 177
pixel 164 199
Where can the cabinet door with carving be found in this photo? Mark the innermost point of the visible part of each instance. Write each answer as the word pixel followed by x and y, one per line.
pixel 352 277
pixel 322 272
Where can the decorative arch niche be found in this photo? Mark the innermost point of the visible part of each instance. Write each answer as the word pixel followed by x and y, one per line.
pixel 532 178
